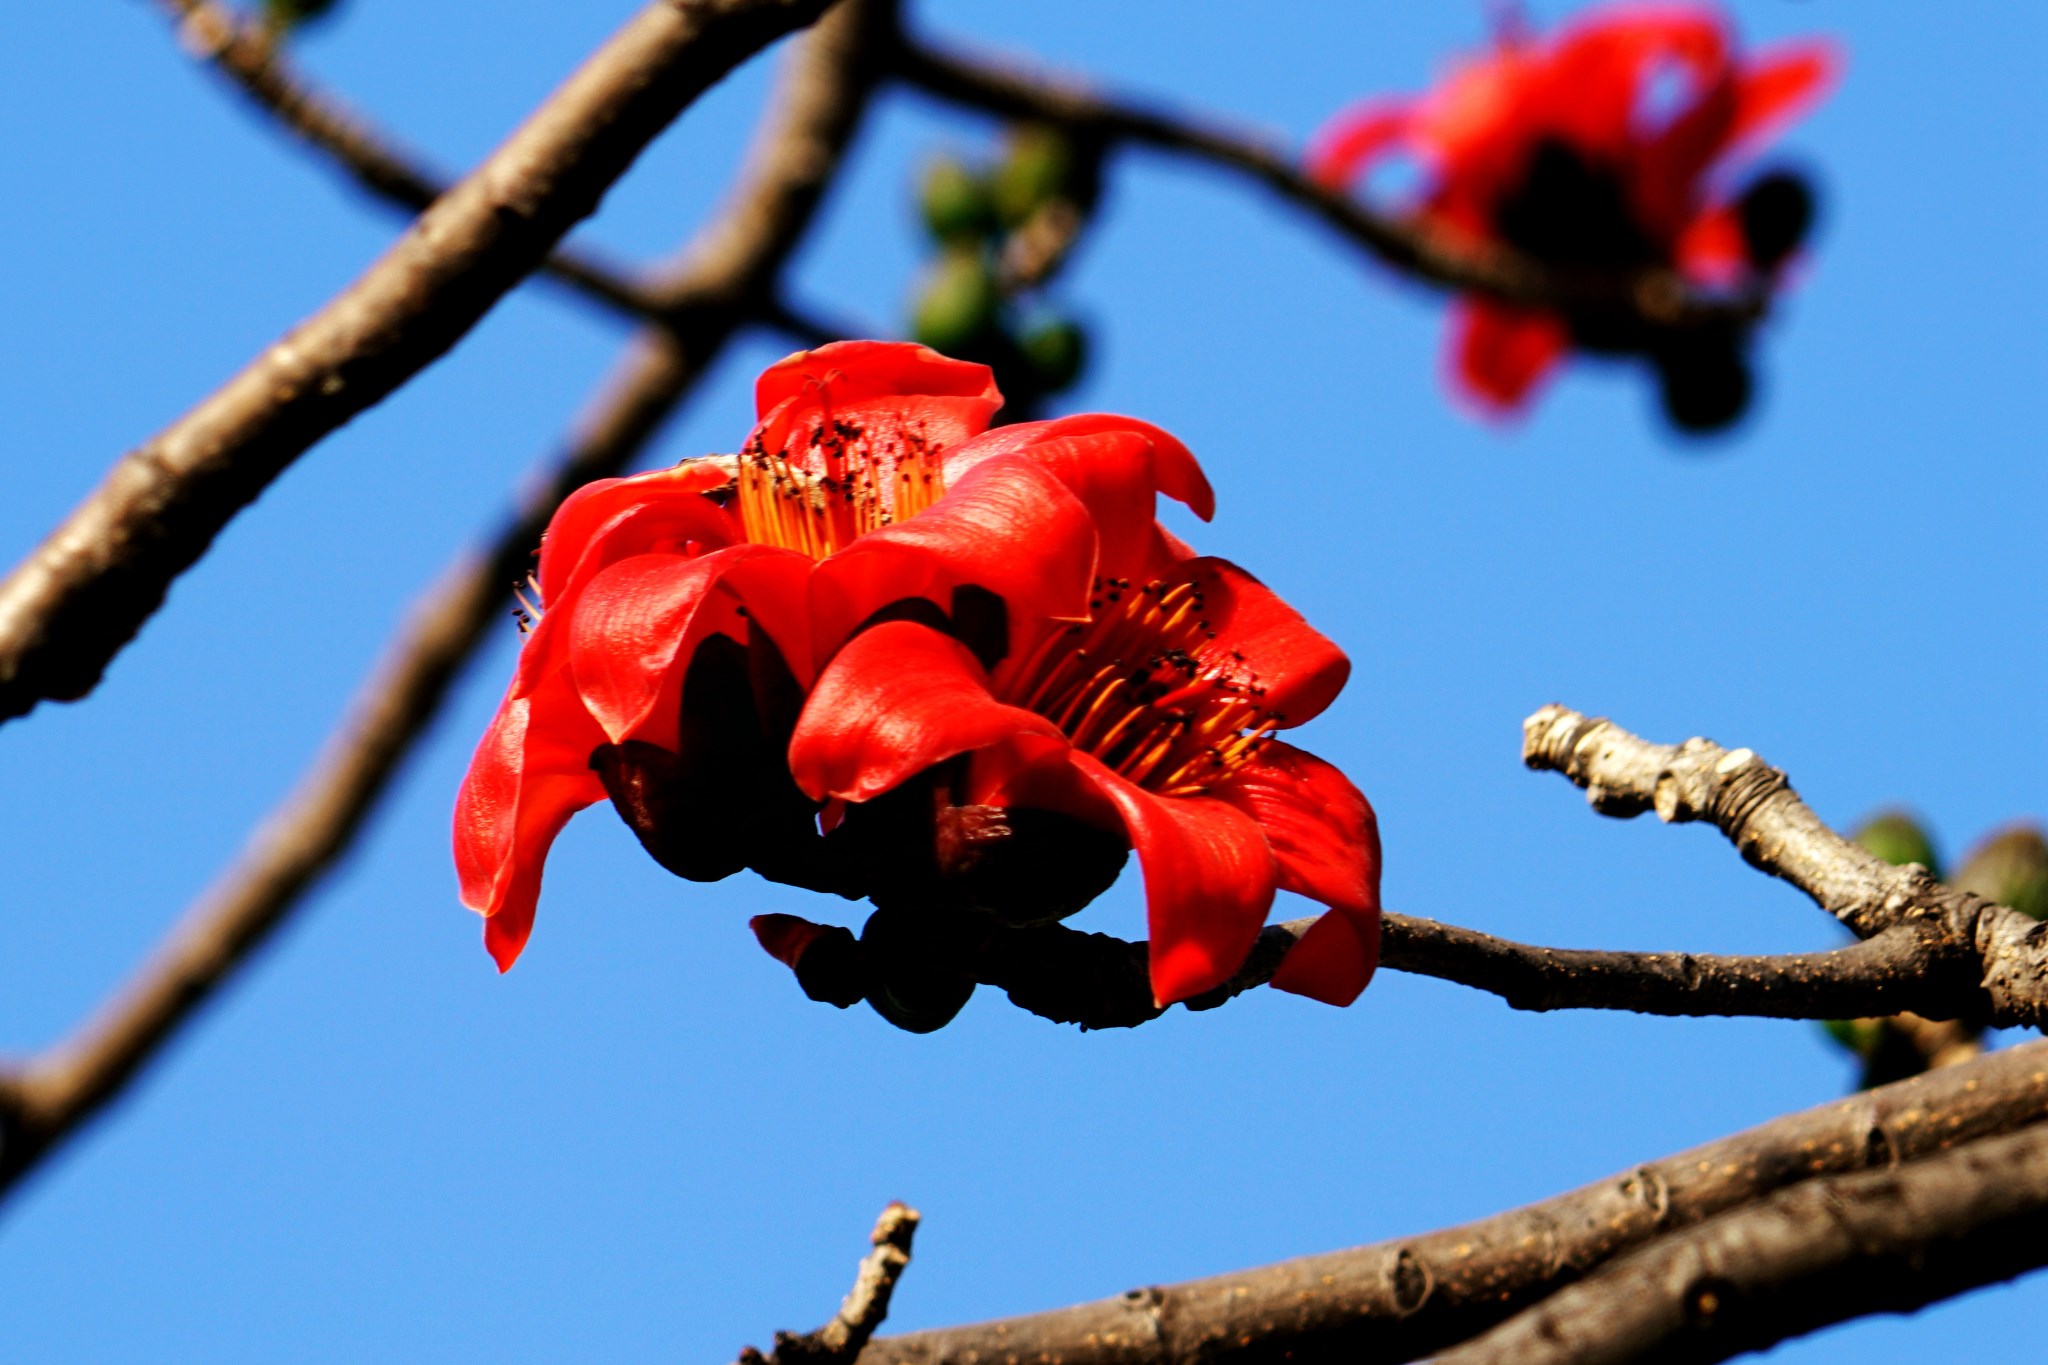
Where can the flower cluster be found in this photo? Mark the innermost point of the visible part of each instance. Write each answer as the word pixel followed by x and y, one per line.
pixel 888 651
pixel 1604 147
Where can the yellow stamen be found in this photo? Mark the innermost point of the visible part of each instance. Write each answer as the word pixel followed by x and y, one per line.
pixel 1145 687
pixel 840 483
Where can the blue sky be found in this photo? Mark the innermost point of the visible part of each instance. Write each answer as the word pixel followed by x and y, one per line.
pixel 644 1143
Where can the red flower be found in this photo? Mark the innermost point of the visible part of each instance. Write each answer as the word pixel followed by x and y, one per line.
pixel 1603 146
pixel 924 589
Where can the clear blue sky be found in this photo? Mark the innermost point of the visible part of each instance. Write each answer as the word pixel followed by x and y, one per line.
pixel 644 1143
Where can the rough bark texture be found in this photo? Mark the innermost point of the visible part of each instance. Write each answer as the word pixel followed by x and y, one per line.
pixel 1959 935
pixel 84 592
pixel 1888 1241
pixel 1396 1301
pixel 840 1341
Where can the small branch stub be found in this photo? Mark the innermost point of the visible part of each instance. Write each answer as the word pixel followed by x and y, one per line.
pixel 840 1341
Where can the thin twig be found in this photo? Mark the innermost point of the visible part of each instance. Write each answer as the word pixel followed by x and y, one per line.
pixel 736 259
pixel 840 1341
pixel 84 592
pixel 1649 301
pixel 1395 1301
pixel 1888 1241
pixel 247 53
pixel 1960 936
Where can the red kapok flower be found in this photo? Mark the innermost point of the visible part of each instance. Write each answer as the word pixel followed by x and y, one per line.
pixel 877 585
pixel 1603 146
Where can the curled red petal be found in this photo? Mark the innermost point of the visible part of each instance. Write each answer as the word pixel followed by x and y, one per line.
pixel 1500 353
pixel 1259 637
pixel 886 391
pixel 1778 86
pixel 529 774
pixel 1007 525
pixel 1335 959
pixel 1174 470
pixel 897 699
pixel 1209 880
pixel 636 624
pixel 611 519
pixel 1326 843
pixel 1349 144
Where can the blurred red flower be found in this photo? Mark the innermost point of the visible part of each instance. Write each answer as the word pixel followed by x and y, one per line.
pixel 877 587
pixel 1605 146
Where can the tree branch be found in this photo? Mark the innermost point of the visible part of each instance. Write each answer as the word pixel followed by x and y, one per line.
pixel 1098 981
pixel 1888 1241
pixel 1395 1301
pixel 1960 935
pixel 247 54
pixel 737 258
pixel 840 1341
pixel 1642 302
pixel 81 595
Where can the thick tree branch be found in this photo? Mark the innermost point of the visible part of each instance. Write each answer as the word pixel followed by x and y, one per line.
pixel 81 595
pixel 246 52
pixel 1960 935
pixel 840 1341
pixel 1396 1301
pixel 737 258
pixel 1889 1241
pixel 1642 302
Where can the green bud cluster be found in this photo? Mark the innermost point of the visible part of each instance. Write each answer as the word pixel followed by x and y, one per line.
pixel 282 16
pixel 967 302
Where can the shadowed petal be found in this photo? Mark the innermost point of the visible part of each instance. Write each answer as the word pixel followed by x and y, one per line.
pixel 896 700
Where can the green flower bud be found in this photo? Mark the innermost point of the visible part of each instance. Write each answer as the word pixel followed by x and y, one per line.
pixel 955 202
pixel 1860 1036
pixel 1037 167
pixel 1898 838
pixel 2010 867
pixel 285 15
pixel 956 302
pixel 1056 350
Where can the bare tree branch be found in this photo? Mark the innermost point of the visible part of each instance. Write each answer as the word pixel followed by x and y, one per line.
pixel 1887 1241
pixel 247 54
pixel 840 1341
pixel 1642 301
pixel 817 110
pixel 1396 1301
pixel 1960 934
pixel 82 594
pixel 1098 981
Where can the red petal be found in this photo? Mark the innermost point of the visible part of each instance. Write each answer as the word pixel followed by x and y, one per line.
pixel 896 700
pixel 855 370
pixel 1335 959
pixel 1326 843
pixel 613 518
pixel 1258 635
pixel 1174 470
pixel 1209 879
pixel 1712 249
pixel 1501 352
pixel 636 624
pixel 1321 828
pixel 1008 525
pixel 1779 86
pixel 1353 140
pixel 530 773
pixel 890 391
